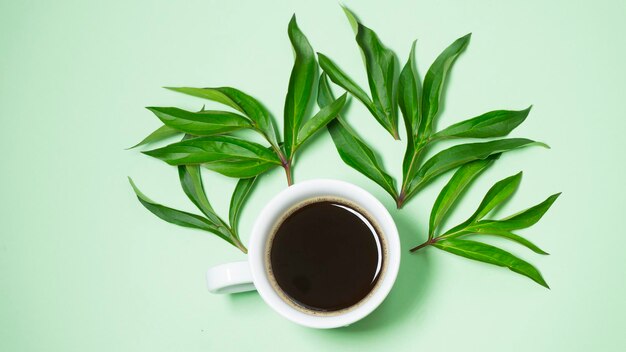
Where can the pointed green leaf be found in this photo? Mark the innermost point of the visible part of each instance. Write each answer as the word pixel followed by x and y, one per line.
pixel 354 22
pixel 496 123
pixel 380 63
pixel 409 96
pixel 191 182
pixel 325 95
pixel 237 201
pixel 434 81
pixel 353 151
pixel 161 133
pixel 530 216
pixel 510 236
pixel 453 189
pixel 227 155
pixel 456 156
pixel 497 194
pixel 409 93
pixel 341 79
pixel 410 160
pixel 242 102
pixel 300 86
pixel 491 255
pixel 222 95
pixel 177 217
pixel 321 119
pixel 521 220
pixel 204 123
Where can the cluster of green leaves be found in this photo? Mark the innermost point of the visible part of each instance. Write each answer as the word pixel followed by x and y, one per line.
pixel 454 240
pixel 191 182
pixel 215 147
pixel 209 141
pixel 419 104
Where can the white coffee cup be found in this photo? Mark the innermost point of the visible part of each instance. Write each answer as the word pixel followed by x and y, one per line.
pixel 252 274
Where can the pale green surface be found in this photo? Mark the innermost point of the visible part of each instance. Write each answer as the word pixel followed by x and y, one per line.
pixel 83 267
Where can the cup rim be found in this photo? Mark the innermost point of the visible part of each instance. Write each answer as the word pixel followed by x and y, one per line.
pixel 294 194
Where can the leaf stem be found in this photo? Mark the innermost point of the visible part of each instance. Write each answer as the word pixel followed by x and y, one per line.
pixel 238 244
pixel 425 244
pixel 286 163
pixel 400 199
pixel 287 167
pixel 432 240
pixel 395 134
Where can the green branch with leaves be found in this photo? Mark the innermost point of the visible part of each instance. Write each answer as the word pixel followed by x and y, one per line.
pixel 191 182
pixel 216 148
pixel 210 141
pixel 454 240
pixel 419 104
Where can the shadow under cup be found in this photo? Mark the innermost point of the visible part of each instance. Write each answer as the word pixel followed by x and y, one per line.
pixel 267 280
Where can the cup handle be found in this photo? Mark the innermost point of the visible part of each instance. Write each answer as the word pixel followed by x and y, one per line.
pixel 230 278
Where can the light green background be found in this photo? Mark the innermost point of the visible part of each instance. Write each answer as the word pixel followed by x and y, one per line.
pixel 83 267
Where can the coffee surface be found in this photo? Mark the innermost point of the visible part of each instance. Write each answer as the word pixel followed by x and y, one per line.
pixel 326 256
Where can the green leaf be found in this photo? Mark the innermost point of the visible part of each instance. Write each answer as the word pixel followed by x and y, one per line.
pixel 222 95
pixel 321 119
pixel 409 96
pixel 511 236
pixel 497 194
pixel 158 135
pixel 380 63
pixel 353 151
pixel 341 79
pixel 191 182
pixel 354 22
pixel 177 217
pixel 491 255
pixel 242 102
pixel 496 123
pixel 325 95
pixel 238 199
pixel 300 86
pixel 227 155
pixel 434 81
pixel 410 160
pixel 409 102
pixel 453 189
pixel 521 220
pixel 204 123
pixel 456 156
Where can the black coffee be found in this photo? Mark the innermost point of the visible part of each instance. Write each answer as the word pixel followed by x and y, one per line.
pixel 326 255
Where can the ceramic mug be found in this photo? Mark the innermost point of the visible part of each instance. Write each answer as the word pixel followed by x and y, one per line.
pixel 253 275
